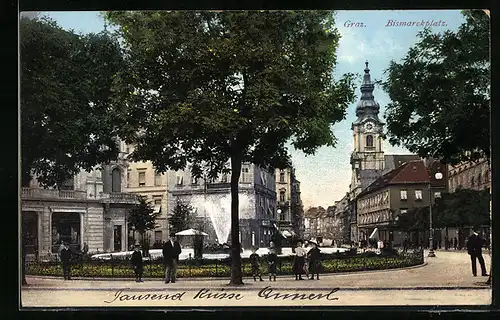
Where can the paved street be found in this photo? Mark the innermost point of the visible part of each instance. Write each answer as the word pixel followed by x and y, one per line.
pixel 446 279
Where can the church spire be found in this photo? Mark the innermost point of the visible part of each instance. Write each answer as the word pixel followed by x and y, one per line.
pixel 367 104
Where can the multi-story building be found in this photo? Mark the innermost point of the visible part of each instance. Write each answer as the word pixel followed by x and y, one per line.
pixel 143 180
pixel 284 198
pixel 89 208
pixel 313 222
pixel 296 207
pixel 470 175
pixel 397 191
pixel 368 161
pixel 211 201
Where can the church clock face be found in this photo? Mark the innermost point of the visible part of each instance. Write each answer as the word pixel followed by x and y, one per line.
pixel 369 127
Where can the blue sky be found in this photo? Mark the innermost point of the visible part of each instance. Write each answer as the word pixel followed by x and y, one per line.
pixel 325 177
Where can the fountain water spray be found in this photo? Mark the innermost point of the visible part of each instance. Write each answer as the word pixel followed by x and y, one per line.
pixel 219 210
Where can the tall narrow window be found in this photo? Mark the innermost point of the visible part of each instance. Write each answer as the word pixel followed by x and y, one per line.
pixel 369 141
pixel 472 181
pixel 142 179
pixel 282 175
pixel 116 180
pixel 282 196
pixel 479 179
pixel 157 179
pixel 128 179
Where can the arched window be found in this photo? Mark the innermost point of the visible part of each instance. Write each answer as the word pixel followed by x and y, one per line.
pixel 116 180
pixel 369 141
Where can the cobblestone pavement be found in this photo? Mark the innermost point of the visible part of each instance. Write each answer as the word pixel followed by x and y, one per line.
pixel 445 279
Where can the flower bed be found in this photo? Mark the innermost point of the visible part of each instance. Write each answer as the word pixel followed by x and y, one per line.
pixel 193 269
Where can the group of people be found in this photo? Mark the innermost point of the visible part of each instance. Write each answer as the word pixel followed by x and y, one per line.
pixel 171 251
pixel 305 262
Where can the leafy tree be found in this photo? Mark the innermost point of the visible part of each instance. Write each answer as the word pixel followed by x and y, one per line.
pixel 182 217
pixel 415 219
pixel 463 208
pixel 440 93
pixel 142 217
pixel 204 88
pixel 66 123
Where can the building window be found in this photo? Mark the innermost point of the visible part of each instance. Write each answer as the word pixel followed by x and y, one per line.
pixel 179 180
pixel 472 181
pixel 282 175
pixel 244 173
pixel 157 179
pixel 116 180
pixel 437 194
pixel 282 196
pixel 157 204
pixel 158 236
pixel 418 194
pixel 128 178
pixel 369 141
pixel 403 194
pixel 142 179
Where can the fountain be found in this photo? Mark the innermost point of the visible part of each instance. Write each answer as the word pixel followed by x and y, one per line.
pixel 219 211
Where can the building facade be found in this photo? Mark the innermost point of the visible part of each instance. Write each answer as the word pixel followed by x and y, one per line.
pixel 143 180
pixel 470 175
pixel 314 222
pixel 406 187
pixel 90 208
pixel 211 201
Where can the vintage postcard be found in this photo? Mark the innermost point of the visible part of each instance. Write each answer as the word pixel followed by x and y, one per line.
pixel 255 158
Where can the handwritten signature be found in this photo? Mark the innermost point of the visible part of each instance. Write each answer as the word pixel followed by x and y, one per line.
pixel 266 293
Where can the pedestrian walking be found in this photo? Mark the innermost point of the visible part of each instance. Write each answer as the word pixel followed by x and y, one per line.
pixel 255 263
pixel 299 260
pixel 171 251
pixel 65 256
pixel 475 244
pixel 314 256
pixel 272 262
pixel 137 264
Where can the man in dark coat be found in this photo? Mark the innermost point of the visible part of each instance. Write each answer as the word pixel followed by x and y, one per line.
pixel 137 264
pixel 65 256
pixel 171 252
pixel 314 256
pixel 474 247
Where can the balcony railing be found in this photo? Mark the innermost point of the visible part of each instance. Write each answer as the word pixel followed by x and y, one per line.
pixel 118 197
pixel 220 185
pixel 35 193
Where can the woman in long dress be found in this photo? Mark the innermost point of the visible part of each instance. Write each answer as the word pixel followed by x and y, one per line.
pixel 299 261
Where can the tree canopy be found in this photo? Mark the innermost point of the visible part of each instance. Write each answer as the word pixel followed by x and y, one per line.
pixel 182 218
pixel 202 88
pixel 440 93
pixel 142 216
pixel 464 207
pixel 66 78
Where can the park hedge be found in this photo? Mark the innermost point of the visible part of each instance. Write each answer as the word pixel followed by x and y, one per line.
pixel 218 268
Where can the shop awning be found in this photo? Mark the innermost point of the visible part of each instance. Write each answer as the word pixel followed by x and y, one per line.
pixel 286 234
pixel 373 233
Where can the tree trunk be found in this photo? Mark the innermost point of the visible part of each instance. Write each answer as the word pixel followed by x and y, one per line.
pixel 236 275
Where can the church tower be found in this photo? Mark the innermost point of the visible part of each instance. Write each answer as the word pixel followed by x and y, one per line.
pixel 368 154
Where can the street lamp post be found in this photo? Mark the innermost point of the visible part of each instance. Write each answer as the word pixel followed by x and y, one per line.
pixel 438 176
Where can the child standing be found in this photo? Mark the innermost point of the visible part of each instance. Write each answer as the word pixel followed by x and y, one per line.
pixel 137 264
pixel 255 262
pixel 272 260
